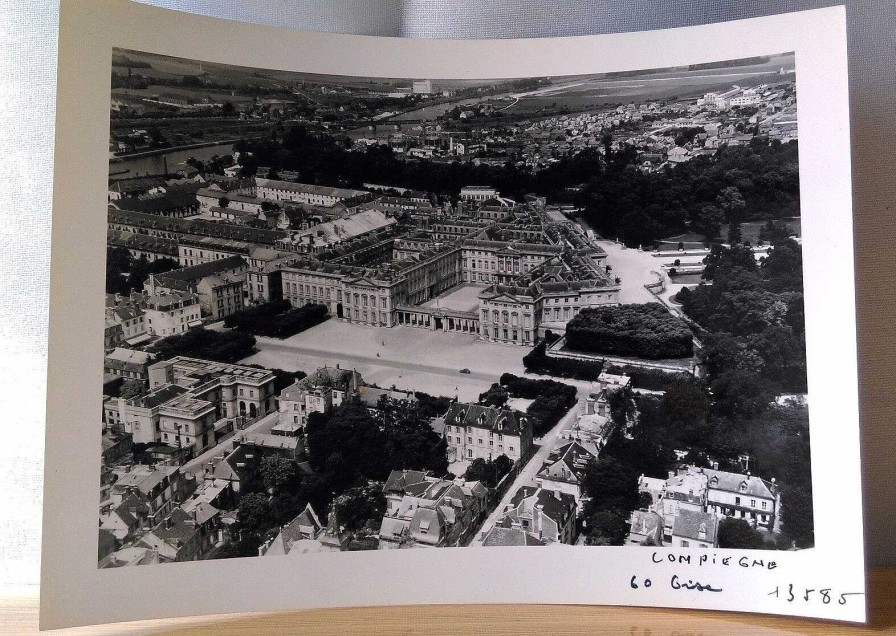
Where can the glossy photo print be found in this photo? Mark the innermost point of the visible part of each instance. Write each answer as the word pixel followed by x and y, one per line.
pixel 420 319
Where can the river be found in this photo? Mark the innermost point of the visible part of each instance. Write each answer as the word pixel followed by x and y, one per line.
pixel 155 164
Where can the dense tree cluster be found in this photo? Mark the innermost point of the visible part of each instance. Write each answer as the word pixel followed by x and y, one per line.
pixel 231 346
pixel 739 534
pixel 612 491
pixel 352 447
pixel 351 452
pixel 277 319
pixel 618 199
pixel 488 471
pixel 640 208
pixel 644 331
pixel 361 508
pixel 125 274
pixel 551 399
pixel 754 318
pixel 754 350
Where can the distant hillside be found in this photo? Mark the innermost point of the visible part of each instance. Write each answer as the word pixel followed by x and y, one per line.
pixel 745 61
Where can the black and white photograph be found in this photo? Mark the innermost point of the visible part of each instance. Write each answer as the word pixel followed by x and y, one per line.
pixel 365 313
pixel 407 322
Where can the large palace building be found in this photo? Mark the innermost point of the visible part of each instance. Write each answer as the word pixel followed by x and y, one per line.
pixel 526 275
pixel 504 271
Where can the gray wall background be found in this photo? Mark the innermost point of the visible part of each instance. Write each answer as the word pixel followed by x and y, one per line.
pixel 28 33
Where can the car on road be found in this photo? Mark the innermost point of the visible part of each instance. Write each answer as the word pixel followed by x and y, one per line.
pixel 465 371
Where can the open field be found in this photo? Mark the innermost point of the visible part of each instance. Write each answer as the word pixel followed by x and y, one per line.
pixel 582 94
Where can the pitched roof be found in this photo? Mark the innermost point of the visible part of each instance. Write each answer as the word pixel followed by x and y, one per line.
pixel 699 526
pixel 502 421
pixel 646 522
pixel 739 483
pixel 197 272
pixel 158 203
pixel 399 480
pixel 556 505
pixel 161 395
pixel 305 188
pixel 500 536
pixel 567 463
pixel 305 525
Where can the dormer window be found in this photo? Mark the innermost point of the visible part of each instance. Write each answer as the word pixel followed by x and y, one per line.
pixel 743 486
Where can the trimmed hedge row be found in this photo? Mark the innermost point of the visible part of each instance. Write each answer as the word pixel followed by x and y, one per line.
pixel 536 361
pixel 551 399
pixel 277 319
pixel 642 330
pixel 206 344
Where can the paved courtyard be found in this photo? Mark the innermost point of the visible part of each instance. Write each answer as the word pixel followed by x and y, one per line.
pixel 460 298
pixel 407 357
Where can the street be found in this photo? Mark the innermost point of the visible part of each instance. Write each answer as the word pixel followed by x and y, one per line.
pixel 526 476
pixel 197 464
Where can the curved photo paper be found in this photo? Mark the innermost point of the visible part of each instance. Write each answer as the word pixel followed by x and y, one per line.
pixel 391 322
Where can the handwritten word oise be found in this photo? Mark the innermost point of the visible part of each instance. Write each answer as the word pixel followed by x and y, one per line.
pixel 712 559
pixel 677 584
pixel 808 594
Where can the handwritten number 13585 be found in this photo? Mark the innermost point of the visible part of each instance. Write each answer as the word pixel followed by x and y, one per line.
pixel 808 594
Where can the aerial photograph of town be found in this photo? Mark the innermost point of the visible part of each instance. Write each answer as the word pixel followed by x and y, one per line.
pixel 352 313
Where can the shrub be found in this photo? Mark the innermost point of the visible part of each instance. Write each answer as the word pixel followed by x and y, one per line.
pixel 206 344
pixel 551 399
pixel 277 319
pixel 645 331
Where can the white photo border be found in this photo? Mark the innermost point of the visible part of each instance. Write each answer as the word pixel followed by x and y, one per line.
pixel 75 592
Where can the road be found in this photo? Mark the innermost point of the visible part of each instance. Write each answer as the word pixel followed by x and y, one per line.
pixel 197 464
pixel 526 476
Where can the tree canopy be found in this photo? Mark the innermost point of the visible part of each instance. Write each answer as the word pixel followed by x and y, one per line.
pixel 641 330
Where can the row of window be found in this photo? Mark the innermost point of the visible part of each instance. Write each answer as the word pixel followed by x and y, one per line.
pixel 752 503
pixel 505 334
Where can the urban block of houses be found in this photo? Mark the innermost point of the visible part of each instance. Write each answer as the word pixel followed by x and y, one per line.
pixel 175 204
pixel 546 515
pixel 219 285
pixel 130 364
pixel 693 501
pixel 185 536
pixel 305 534
pixel 147 492
pixel 564 470
pixel 321 392
pixel 425 511
pixel 144 315
pixel 473 431
pixel 276 190
pixel 191 402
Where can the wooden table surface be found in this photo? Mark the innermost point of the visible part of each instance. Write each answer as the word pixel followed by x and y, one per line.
pixel 19 616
